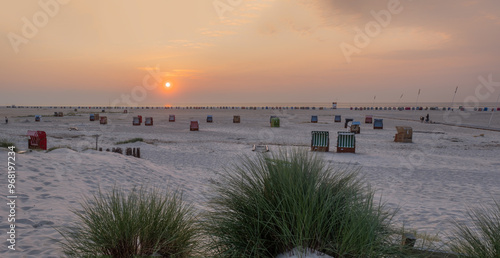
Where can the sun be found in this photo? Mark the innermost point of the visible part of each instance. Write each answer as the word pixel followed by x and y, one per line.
pixel 167 84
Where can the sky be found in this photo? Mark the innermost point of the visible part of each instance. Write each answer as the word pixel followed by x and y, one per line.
pixel 68 52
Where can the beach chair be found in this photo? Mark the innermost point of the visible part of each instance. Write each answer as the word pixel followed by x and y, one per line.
pixel 236 119
pixel 56 114
pixel 194 126
pixel 92 117
pixel 346 142
pixel 136 120
pixel 37 140
pixel 210 119
pixel 368 119
pixel 103 120
pixel 171 118
pixel 60 114
pixel 355 127
pixel 404 134
pixel 314 119
pixel 275 122
pixel 347 120
pixel 320 141
pixel 125 111
pixel 338 119
pixel 148 121
pixel 96 116
pixel 378 123
pixel 38 118
pixel 270 119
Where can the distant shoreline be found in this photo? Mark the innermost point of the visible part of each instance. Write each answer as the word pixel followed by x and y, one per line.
pixel 304 105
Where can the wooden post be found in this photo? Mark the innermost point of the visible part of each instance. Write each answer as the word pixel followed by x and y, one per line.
pixel 139 152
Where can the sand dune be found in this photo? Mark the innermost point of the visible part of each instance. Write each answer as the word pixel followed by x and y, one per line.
pixel 432 180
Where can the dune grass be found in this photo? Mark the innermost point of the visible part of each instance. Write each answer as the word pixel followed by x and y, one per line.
pixel 131 141
pixel 483 238
pixel 268 205
pixel 4 143
pixel 138 223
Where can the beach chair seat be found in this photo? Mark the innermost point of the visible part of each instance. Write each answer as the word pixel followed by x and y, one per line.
pixel 347 120
pixel 378 124
pixel 275 122
pixel 37 140
pixel 404 134
pixel 355 127
pixel 320 141
pixel 194 125
pixel 136 121
pixel 346 142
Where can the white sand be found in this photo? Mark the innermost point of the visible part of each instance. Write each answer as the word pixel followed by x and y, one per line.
pixel 432 180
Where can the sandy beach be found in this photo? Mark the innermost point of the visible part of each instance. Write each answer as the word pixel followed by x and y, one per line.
pixel 432 180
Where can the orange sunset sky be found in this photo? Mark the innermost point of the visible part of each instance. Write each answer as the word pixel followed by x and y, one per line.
pixel 247 51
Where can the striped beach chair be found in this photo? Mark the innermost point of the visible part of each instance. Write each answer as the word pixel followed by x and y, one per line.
pixel 346 142
pixel 275 122
pixel 320 141
pixel 378 124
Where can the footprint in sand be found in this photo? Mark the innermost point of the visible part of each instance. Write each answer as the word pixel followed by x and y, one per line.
pixel 38 188
pixel 42 223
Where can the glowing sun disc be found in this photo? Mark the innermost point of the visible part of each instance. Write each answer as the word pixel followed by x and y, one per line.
pixel 167 84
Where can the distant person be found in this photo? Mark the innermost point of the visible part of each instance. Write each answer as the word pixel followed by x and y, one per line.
pixel 421 119
pixel 6 120
pixel 427 118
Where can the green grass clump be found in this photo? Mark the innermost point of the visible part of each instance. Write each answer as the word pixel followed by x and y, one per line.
pixel 4 143
pixel 137 223
pixel 131 141
pixel 483 238
pixel 269 205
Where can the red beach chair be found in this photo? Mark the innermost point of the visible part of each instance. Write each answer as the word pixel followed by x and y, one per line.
pixel 37 140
